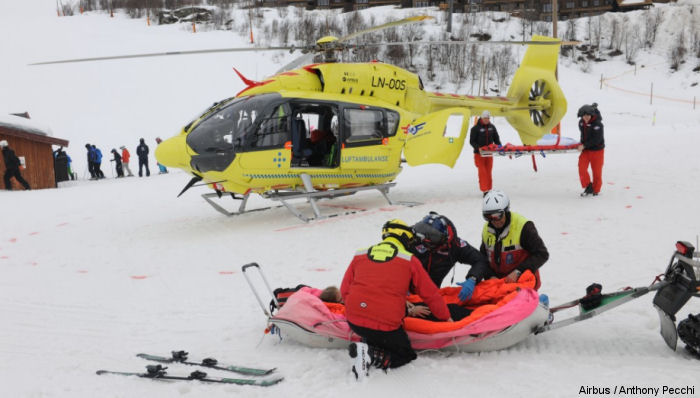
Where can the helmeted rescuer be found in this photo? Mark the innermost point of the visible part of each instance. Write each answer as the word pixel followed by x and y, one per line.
pixel 439 248
pixel 592 149
pixel 510 242
pixel 12 164
pixel 484 133
pixel 374 291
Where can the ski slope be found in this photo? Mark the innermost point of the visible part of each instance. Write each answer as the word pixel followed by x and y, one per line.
pixel 97 271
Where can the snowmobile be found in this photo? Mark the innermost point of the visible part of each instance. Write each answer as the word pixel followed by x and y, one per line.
pixel 506 320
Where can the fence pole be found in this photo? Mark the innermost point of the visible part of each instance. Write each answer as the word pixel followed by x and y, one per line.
pixel 651 94
pixel 601 81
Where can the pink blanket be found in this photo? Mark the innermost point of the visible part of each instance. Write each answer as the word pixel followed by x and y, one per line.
pixel 306 310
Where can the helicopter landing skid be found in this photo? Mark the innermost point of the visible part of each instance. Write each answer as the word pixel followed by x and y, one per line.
pixel 310 194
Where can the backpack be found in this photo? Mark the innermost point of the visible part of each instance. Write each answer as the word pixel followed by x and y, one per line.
pixel 282 294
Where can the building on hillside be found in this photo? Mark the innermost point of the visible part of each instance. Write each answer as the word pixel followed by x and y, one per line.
pixel 33 146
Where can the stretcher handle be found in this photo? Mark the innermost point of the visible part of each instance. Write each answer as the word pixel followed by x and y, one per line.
pixel 255 292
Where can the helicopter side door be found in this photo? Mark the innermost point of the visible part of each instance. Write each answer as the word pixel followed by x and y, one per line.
pixel 437 137
pixel 365 133
pixel 270 132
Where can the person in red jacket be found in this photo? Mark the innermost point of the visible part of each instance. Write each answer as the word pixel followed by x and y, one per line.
pixel 374 290
pixel 484 133
pixel 592 149
pixel 125 160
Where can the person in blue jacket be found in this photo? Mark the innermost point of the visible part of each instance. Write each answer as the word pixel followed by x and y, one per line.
pixel 98 161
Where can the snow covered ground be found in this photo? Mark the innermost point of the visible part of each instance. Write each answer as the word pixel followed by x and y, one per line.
pixel 95 272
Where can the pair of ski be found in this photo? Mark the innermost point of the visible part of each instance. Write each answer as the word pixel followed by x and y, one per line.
pixel 158 372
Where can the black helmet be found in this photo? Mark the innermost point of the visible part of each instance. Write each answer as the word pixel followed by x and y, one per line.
pixel 435 230
pixel 586 110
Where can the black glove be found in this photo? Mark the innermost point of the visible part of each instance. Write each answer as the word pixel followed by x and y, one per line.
pixel 593 297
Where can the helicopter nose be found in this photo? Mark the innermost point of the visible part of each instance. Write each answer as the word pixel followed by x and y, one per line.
pixel 173 152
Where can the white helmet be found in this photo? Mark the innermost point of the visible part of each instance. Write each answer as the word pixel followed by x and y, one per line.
pixel 3 143
pixel 495 201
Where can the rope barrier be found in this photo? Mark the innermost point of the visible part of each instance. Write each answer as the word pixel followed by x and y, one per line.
pixel 647 94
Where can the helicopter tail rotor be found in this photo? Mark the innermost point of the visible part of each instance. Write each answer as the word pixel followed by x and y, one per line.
pixel 540 101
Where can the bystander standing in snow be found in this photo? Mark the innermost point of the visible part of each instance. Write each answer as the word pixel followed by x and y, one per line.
pixel 91 161
pixel 161 169
pixel 118 163
pixel 484 133
pixel 142 153
pixel 98 162
pixel 12 164
pixel 125 160
pixel 592 149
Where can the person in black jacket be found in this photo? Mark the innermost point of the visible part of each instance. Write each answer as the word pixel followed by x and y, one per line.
pixel 142 153
pixel 592 149
pixel 11 167
pixel 484 133
pixel 439 248
pixel 118 163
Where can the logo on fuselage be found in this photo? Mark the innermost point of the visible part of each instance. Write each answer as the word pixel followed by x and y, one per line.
pixel 413 130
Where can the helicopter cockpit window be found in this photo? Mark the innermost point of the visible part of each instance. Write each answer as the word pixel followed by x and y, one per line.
pixel 229 127
pixel 364 125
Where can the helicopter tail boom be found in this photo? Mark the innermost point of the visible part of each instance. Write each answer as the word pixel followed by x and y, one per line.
pixel 534 103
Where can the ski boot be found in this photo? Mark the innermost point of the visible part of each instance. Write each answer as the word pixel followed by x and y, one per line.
pixel 588 190
pixel 362 360
pixel 689 332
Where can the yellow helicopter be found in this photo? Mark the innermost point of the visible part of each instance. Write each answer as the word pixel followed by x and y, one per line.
pixel 331 129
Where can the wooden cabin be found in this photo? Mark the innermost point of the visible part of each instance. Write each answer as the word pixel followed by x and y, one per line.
pixel 34 145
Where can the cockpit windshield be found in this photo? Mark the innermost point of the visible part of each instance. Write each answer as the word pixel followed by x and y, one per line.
pixel 229 127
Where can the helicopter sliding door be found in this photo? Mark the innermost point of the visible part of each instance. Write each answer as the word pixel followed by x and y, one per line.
pixel 365 131
pixel 314 134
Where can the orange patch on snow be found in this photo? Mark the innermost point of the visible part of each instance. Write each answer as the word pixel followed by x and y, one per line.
pixel 138 277
pixel 227 272
pixel 628 207
pixel 82 271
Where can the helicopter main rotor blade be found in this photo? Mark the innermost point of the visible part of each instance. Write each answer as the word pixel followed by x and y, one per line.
pixel 297 62
pixel 469 42
pixel 409 20
pixel 163 54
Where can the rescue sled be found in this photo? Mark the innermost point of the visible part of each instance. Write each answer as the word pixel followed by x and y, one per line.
pixel 509 316
pixel 505 315
pixel 549 143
